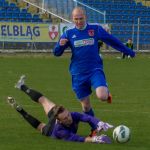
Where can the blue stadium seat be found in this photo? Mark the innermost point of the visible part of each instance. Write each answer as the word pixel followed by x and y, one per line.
pixel 24 11
pixel 6 4
pixel 1 4
pixel 12 5
pixel 15 16
pixel 36 16
pixel 9 10
pixel 22 16
pixel 36 19
pixel 28 17
pixel 16 10
pixel 8 16
pixel 3 10
pixel 2 16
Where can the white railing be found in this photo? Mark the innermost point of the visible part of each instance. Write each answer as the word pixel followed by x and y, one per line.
pixel 45 10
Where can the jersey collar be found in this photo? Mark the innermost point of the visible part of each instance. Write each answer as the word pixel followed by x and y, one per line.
pixel 82 28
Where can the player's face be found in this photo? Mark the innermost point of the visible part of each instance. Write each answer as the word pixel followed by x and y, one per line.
pixel 79 19
pixel 65 118
pixel 129 41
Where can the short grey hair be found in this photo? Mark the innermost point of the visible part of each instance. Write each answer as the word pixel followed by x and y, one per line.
pixel 79 8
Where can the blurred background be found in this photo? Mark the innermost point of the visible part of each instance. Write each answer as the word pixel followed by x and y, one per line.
pixel 35 25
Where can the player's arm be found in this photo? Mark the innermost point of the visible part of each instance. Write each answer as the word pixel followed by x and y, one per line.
pixel 95 123
pixel 114 42
pixel 102 139
pixel 61 45
pixel 69 136
pixel 92 121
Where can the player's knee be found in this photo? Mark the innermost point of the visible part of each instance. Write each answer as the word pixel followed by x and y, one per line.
pixel 102 93
pixel 102 96
pixel 40 127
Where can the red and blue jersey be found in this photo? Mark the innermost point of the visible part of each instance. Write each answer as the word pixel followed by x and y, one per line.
pixel 84 47
pixel 69 133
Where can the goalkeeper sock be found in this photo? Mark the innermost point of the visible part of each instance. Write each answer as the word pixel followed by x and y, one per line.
pixel 30 119
pixel 90 112
pixel 34 95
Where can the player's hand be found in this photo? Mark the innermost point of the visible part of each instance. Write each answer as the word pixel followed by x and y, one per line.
pixel 62 42
pixel 103 139
pixel 103 126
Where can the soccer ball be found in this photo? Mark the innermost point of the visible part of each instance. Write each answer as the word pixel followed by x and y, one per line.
pixel 121 134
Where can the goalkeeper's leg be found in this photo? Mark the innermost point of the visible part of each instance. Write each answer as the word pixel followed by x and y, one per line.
pixel 45 129
pixel 34 95
pixel 35 123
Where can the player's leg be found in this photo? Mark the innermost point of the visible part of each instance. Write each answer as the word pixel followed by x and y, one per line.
pixel 35 123
pixel 87 109
pixel 50 108
pixel 82 89
pixel 35 95
pixel 103 94
pixel 86 106
pixel 45 129
pixel 46 103
pixel 98 81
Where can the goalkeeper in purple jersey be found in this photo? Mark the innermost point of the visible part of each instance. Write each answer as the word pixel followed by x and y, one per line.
pixel 62 124
pixel 86 65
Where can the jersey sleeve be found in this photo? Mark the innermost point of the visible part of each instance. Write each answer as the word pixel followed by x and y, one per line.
pixel 58 50
pixel 69 136
pixel 113 42
pixel 87 118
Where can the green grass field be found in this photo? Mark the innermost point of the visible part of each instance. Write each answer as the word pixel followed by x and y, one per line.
pixel 129 83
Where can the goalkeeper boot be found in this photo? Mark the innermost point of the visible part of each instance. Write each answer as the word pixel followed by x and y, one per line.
pixel 109 100
pixel 13 103
pixel 20 82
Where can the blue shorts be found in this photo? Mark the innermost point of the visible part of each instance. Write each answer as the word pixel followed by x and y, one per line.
pixel 82 83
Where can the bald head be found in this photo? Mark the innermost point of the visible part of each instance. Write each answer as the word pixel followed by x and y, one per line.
pixel 78 10
pixel 79 17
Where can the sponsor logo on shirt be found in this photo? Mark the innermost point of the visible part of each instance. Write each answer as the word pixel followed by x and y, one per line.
pixel 84 42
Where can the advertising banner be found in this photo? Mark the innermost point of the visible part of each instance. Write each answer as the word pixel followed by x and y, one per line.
pixel 34 32
pixel 28 32
pixel 64 27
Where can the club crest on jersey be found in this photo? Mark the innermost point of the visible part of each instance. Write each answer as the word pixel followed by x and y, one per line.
pixel 91 32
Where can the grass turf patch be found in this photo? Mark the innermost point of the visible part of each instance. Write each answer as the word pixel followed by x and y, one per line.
pixel 129 83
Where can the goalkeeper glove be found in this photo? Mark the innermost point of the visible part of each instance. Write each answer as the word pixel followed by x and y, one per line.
pixel 101 139
pixel 103 126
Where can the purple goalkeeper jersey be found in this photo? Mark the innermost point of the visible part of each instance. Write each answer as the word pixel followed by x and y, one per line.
pixel 69 133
